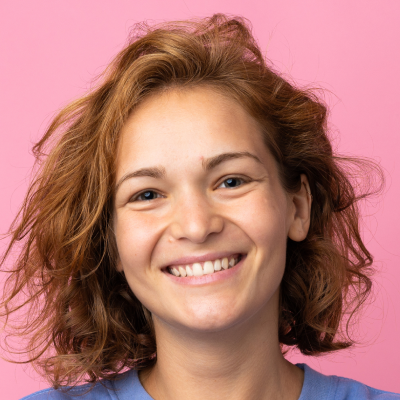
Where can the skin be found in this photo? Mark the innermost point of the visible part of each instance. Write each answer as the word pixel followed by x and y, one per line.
pixel 216 340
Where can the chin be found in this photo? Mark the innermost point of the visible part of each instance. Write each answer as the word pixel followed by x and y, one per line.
pixel 211 319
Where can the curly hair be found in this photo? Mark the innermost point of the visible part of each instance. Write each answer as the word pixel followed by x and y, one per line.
pixel 81 318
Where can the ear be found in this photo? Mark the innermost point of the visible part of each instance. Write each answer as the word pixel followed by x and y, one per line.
pixel 119 266
pixel 300 203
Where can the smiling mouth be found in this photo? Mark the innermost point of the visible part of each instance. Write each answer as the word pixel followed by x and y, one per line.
pixel 206 267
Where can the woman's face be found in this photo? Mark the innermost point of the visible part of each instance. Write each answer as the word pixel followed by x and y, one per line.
pixel 197 189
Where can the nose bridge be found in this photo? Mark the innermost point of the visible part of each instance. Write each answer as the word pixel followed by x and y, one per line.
pixel 194 216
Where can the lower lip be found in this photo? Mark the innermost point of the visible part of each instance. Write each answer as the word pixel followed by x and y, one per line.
pixel 209 278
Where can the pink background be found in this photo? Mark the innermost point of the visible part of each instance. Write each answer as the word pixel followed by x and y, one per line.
pixel 51 50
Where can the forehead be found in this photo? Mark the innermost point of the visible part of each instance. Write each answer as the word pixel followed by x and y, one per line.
pixel 190 124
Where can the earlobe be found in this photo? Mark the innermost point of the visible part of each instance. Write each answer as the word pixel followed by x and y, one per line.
pixel 119 266
pixel 301 202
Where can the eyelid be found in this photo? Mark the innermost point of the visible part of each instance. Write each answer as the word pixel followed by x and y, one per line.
pixel 245 179
pixel 134 198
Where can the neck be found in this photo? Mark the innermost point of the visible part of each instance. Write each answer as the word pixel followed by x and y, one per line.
pixel 241 362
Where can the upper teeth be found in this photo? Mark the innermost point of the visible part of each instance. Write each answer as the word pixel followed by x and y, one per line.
pixel 204 268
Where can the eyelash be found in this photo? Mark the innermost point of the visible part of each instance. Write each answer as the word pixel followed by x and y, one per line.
pixel 235 177
pixel 136 197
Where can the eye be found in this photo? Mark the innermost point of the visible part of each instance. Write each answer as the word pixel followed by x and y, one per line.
pixel 233 182
pixel 146 196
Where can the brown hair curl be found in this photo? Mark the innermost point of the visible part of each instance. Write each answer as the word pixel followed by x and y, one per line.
pixel 82 318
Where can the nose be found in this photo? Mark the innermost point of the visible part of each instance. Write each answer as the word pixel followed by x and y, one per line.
pixel 194 218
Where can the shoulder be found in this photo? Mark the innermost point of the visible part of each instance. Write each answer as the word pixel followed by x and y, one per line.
pixel 126 386
pixel 83 391
pixel 317 386
pixel 351 389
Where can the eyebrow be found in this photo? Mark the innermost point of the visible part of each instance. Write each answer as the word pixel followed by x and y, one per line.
pixel 212 162
pixel 208 165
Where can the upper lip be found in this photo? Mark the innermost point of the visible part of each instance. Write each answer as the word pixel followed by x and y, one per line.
pixel 200 258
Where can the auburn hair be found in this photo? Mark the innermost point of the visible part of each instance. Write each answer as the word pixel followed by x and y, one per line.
pixel 80 318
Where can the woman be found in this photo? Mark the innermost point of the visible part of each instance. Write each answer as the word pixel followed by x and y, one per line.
pixel 188 223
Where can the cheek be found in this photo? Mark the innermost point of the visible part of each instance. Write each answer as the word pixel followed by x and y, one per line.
pixel 263 218
pixel 135 239
pixel 264 221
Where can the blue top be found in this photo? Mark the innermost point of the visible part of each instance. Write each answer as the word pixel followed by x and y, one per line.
pixel 316 386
